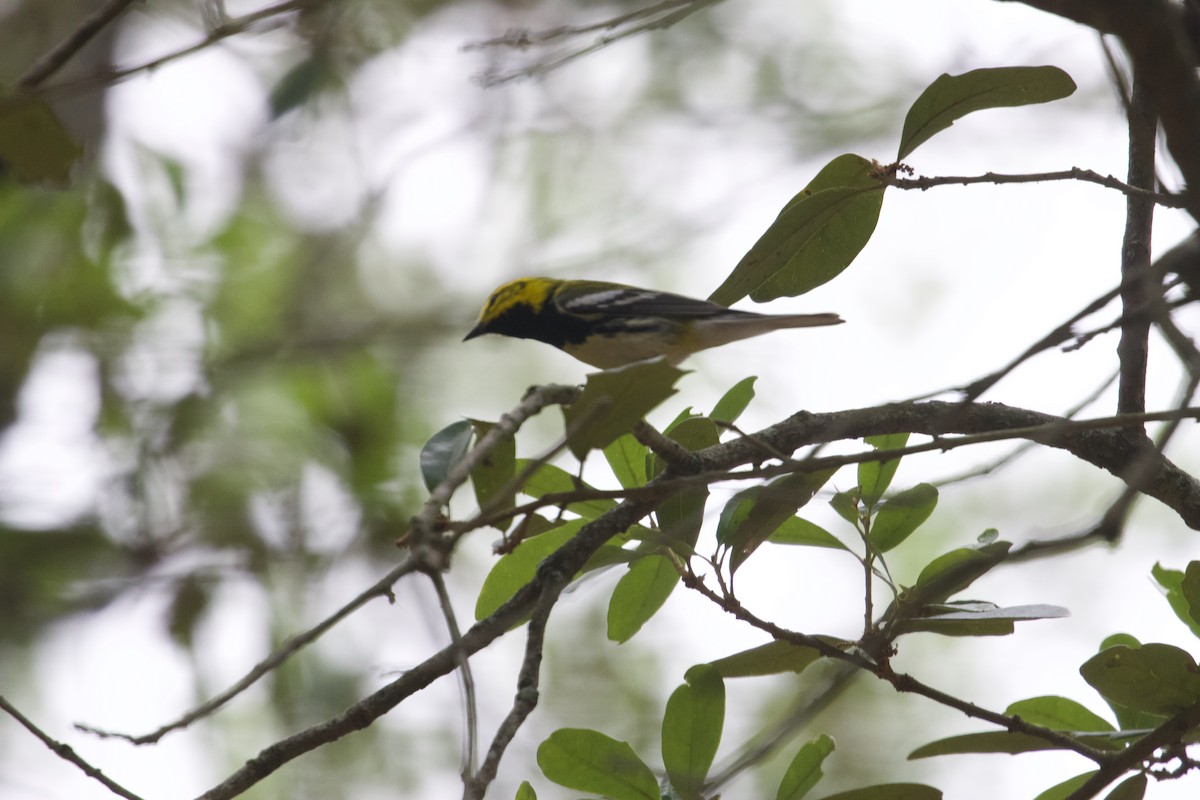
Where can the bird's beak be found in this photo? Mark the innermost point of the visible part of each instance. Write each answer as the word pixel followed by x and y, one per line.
pixel 478 330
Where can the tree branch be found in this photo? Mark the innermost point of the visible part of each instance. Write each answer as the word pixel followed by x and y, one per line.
pixel 1073 174
pixel 1137 287
pixel 1154 33
pixel 66 752
pixel 65 50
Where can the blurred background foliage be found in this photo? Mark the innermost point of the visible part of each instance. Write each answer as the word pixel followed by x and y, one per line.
pixel 222 345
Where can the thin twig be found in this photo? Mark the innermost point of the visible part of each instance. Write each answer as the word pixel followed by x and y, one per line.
pixel 1073 174
pixel 658 16
pixel 66 752
pixel 381 588
pixel 466 679
pixel 524 701
pixel 231 27
pixel 1137 287
pixel 426 523
pixel 901 682
pixel 61 53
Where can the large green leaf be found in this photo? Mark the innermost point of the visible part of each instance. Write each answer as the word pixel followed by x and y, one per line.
pixel 900 515
pixel 1183 592
pixel 1156 678
pixel 734 402
pixel 952 97
pixel 771 658
pixel 1061 791
pixel 589 761
pixel 815 237
pixel 614 400
pixel 1132 788
pixel 804 771
pixel 517 568
pixel 753 515
pixel 639 595
pixel 34 145
pixel 691 729
pixel 975 618
pixel 443 450
pixel 550 479
pixel 626 456
pixel 890 791
pixel 986 742
pixel 950 573
pixel 874 477
pixel 492 477
pixel 799 531
pixel 1058 713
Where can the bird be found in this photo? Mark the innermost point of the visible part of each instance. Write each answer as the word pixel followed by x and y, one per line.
pixel 610 325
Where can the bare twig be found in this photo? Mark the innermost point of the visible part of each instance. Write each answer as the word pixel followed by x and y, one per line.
pixel 901 682
pixel 61 53
pixel 524 701
pixel 381 588
pixel 66 752
pixel 231 27
pixel 653 17
pixel 466 679
pixel 1137 286
pixel 1155 34
pixel 1072 174
pixel 553 576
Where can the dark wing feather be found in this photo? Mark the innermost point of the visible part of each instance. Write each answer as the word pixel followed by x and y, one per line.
pixel 617 300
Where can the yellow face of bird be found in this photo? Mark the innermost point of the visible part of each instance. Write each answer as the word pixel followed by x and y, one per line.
pixel 523 291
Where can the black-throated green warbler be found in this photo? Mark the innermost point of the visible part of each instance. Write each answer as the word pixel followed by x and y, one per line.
pixel 610 324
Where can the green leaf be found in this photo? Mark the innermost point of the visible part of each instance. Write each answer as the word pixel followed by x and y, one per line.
pixel 1065 789
pixel 901 514
pixel 639 595
pixel 950 573
pixel 1127 718
pixel 1058 713
pixel 771 658
pixel 846 506
pixel 987 742
pixel 693 433
pixel 589 761
pixel 952 97
pixel 754 514
pixel 34 145
pixel 799 531
pixel 514 570
pixel 805 770
pixel 1132 788
pixel 691 729
pixel 626 457
pixel 443 450
pixel 874 477
pixel 976 618
pixel 1156 678
pixel 614 400
pixel 815 237
pixel 549 479
pixel 525 792
pixel 1191 592
pixel 890 791
pixel 734 402
pixel 1172 581
pixel 494 474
